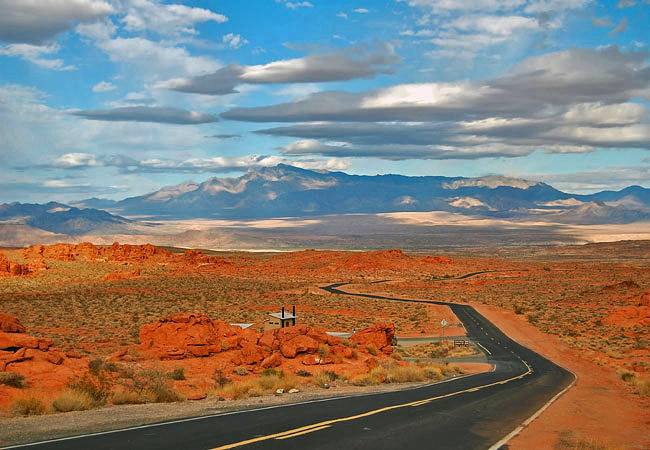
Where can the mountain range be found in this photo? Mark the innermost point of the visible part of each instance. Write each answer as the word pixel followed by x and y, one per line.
pixel 287 191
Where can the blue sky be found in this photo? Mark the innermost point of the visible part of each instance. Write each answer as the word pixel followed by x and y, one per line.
pixel 114 98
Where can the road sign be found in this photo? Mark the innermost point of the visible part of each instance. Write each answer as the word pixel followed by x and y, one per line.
pixel 443 323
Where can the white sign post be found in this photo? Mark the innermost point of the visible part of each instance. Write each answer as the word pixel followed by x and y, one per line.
pixel 444 324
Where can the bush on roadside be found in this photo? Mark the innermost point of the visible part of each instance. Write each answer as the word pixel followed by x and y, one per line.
pixel 12 379
pixel 177 374
pixel 72 400
pixel 28 406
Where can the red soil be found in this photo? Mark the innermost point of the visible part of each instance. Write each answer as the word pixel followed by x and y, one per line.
pixel 599 408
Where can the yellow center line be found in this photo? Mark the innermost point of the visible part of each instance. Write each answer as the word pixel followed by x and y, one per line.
pixel 328 423
pixel 303 432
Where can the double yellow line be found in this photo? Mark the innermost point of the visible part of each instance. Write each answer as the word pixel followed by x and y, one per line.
pixel 328 423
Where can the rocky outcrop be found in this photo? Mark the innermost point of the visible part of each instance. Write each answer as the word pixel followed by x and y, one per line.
pixel 437 260
pixel 9 324
pixel 379 335
pixel 196 335
pixel 12 269
pixel 121 275
pixel 18 347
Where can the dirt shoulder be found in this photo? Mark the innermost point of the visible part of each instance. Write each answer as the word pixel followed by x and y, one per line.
pixel 599 410
pixel 15 431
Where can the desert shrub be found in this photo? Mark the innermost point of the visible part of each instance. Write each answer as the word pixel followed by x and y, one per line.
pixel 324 377
pixel 29 406
pixel 98 387
pixel 12 379
pixel 270 372
pixel 241 370
pixel 219 378
pixel 150 384
pixel 323 350
pixel 626 375
pixel 125 397
pixel 72 400
pixel 177 374
pixel 303 373
pixel 519 309
pixel 372 350
pixel 643 386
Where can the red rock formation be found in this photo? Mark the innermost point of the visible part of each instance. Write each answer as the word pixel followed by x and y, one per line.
pixel 18 347
pixel 121 275
pixel 437 260
pixel 196 335
pixel 10 324
pixel 379 335
pixel 12 269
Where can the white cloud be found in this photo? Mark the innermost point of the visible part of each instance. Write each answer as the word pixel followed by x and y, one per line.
pixel 541 6
pixel 361 11
pixel 38 21
pixel 494 25
pixel 172 19
pixel 33 53
pixel 346 64
pixel 342 15
pixel 466 5
pixel 104 86
pixel 295 5
pixel 30 130
pixel 155 60
pixel 234 40
pixel 191 165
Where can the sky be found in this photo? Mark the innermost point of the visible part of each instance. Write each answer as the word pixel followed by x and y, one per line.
pixel 116 98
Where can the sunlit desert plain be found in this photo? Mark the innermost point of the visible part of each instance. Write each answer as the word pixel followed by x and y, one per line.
pixel 85 326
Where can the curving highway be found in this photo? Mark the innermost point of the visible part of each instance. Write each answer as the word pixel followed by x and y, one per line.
pixel 471 412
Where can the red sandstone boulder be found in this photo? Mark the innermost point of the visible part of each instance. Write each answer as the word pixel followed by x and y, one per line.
pixel 271 361
pixel 9 324
pixel 379 335
pixel 251 354
pixel 299 344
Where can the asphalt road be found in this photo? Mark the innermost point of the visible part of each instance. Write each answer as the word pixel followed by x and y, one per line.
pixel 463 413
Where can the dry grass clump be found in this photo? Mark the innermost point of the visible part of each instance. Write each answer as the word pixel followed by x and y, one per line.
pixel 268 383
pixel 27 406
pixel 324 377
pixel 436 350
pixel 73 400
pixel 642 384
pixel 12 379
pixel 391 372
pixel 125 397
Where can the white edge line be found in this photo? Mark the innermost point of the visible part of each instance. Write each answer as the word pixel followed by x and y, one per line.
pixel 528 421
pixel 229 413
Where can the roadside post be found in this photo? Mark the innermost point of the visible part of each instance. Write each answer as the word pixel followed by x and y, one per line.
pixel 444 324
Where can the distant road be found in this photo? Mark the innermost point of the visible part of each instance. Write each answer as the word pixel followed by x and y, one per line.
pixel 472 412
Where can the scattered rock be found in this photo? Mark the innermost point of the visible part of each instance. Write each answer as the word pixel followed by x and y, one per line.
pixel 293 391
pixel 10 324
pixel 280 391
pixel 198 397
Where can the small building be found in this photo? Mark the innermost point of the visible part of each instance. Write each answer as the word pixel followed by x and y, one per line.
pixel 282 319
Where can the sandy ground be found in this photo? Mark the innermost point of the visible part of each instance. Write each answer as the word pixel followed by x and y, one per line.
pixel 32 429
pixel 600 409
